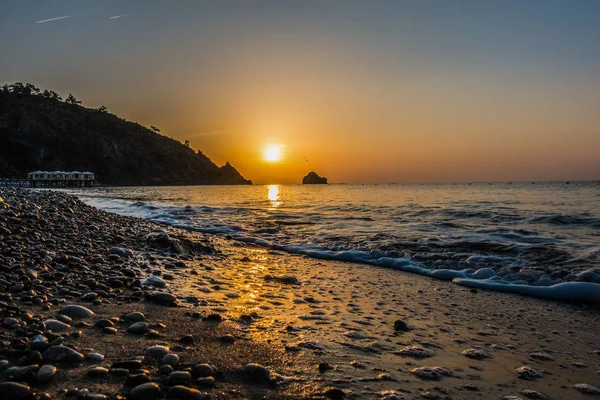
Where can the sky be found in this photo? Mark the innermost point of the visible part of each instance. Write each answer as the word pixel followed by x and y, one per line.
pixel 358 91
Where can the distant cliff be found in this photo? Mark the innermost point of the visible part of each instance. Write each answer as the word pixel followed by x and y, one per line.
pixel 39 131
pixel 313 179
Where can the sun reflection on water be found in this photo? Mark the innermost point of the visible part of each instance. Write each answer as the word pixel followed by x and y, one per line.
pixel 273 195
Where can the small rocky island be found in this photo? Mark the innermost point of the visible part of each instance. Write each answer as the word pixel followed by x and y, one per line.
pixel 313 179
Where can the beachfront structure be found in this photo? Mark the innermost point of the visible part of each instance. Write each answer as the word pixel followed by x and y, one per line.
pixel 61 179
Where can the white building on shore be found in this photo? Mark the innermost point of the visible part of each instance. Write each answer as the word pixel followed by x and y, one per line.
pixel 61 179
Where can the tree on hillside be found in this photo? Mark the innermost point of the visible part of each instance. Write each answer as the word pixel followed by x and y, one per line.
pixel 155 129
pixel 102 109
pixel 72 100
pixel 31 90
pixel 187 143
pixel 55 96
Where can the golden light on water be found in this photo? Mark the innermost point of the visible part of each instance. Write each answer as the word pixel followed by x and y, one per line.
pixel 273 195
pixel 272 153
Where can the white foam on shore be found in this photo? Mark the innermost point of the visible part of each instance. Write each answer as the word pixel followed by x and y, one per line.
pixel 584 288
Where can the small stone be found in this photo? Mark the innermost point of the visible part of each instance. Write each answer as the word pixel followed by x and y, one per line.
pixel 139 328
pixel 257 373
pixel 213 317
pixel 324 367
pixel 62 353
pixel 109 330
pixel 157 351
pixel 475 354
pixel 25 373
pixel 185 393
pixel 203 370
pixel 155 281
pixel 229 339
pixel 171 359
pixel 104 323
pixel 135 317
pixel 391 395
pixel 180 377
pixel 588 389
pixel 534 394
pixel 334 394
pixel 207 381
pixel 401 326
pixel 95 356
pixel 430 373
pixel 128 365
pixel 471 387
pixel 528 373
pixel 45 373
pixel 145 391
pixel 13 390
pixel 163 298
pixel 187 339
pixel 56 326
pixel 165 369
pixel 121 252
pixel 136 379
pixel 414 351
pixel 76 312
pixel 94 396
pixel 539 355
pixel 90 296
pixel 10 322
pixel 98 372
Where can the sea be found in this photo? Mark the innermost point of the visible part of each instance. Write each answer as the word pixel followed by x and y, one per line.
pixel 537 238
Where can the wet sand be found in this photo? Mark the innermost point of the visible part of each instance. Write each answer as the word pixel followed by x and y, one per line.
pixel 343 314
pixel 322 329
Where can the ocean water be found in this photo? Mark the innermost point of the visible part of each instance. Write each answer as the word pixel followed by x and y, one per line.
pixel 536 238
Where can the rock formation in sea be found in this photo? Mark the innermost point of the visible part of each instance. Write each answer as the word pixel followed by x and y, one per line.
pixel 39 131
pixel 313 179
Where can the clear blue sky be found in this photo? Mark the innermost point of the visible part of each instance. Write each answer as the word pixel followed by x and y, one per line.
pixel 368 91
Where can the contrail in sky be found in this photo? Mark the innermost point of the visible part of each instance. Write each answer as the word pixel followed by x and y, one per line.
pixel 53 19
pixel 116 16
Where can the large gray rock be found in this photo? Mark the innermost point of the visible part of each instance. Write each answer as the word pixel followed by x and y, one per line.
pixel 76 312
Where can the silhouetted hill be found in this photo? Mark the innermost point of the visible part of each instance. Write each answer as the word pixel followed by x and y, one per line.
pixel 38 131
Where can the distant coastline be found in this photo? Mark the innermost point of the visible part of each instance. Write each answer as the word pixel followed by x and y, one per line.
pixel 40 131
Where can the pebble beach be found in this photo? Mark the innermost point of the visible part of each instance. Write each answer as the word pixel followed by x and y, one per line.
pixel 101 306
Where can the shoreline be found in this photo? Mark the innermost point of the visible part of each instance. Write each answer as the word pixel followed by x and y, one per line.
pixel 317 324
pixel 58 252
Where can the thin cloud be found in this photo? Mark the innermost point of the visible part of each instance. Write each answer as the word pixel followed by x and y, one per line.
pixel 116 16
pixel 53 19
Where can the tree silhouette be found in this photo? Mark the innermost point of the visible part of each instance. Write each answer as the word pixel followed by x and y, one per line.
pixel 72 100
pixel 155 129
pixel 187 143
pixel 102 109
pixel 31 90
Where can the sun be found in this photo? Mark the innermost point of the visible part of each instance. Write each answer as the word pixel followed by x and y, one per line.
pixel 272 153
